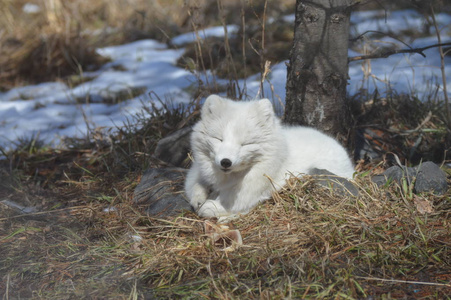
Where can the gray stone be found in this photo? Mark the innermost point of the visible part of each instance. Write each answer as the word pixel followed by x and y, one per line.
pixel 395 174
pixel 339 185
pixel 427 177
pixel 162 189
pixel 174 148
pixel 430 178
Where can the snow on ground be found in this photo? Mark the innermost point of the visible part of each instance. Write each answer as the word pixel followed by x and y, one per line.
pixel 54 110
pixel 217 31
pixel 403 73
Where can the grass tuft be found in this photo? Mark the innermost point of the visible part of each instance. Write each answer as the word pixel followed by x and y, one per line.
pixel 305 243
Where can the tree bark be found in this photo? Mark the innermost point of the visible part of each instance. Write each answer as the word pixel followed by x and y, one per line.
pixel 318 69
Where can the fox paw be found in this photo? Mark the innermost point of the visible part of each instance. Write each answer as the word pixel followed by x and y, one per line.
pixel 212 208
pixel 196 204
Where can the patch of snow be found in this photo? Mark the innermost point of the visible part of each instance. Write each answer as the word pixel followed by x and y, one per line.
pixel 217 31
pixel 54 110
pixel 289 18
pixel 136 238
pixel 30 8
pixel 110 209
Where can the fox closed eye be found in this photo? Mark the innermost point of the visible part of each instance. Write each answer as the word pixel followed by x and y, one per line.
pixel 211 137
pixel 250 143
pixel 215 139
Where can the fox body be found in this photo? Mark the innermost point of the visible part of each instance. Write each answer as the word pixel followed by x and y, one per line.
pixel 239 146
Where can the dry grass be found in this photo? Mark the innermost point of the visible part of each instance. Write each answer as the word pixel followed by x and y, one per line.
pixel 306 243
pixel 413 130
pixel 245 53
pixel 87 239
pixel 61 38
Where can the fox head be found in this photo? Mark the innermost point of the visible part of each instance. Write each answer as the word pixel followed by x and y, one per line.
pixel 235 135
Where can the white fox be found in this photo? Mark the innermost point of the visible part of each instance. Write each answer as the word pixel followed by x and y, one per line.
pixel 237 146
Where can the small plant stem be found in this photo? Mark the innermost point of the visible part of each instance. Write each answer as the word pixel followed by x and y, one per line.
pixel 442 68
pixel 243 23
pixel 233 81
pixel 262 58
pixel 198 44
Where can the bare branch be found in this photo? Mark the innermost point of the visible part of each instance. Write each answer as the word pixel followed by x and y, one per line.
pixel 379 32
pixel 393 52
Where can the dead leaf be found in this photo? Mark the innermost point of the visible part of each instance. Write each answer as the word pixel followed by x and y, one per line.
pixel 223 237
pixel 423 206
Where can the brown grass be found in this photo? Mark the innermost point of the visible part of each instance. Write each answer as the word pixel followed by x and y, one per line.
pixel 306 243
pixel 413 130
pixel 60 40
pixel 87 239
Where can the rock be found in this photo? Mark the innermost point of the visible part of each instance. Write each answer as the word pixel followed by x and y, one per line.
pixel 163 190
pixel 430 178
pixel 339 185
pixel 174 148
pixel 427 177
pixel 394 173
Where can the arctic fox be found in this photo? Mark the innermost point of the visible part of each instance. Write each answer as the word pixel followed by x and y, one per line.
pixel 237 146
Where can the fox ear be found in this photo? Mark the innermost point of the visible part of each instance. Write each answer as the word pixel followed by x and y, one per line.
pixel 266 109
pixel 212 104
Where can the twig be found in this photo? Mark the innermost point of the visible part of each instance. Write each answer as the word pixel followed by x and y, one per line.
pixel 263 62
pixel 392 52
pixel 260 52
pixel 233 81
pixel 45 212
pixel 442 68
pixel 266 71
pixel 405 281
pixel 198 49
pixel 380 32
pixel 243 47
pixel 7 286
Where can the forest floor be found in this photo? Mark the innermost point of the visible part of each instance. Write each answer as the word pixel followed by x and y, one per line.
pixel 69 227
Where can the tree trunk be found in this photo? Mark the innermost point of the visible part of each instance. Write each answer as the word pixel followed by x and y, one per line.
pixel 318 69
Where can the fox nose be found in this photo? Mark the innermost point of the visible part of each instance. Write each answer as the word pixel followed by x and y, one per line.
pixel 226 163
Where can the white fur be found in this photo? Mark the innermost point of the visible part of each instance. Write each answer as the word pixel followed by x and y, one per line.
pixel 251 137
